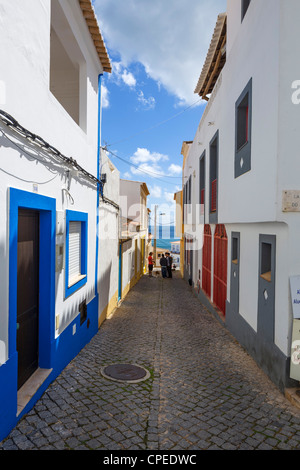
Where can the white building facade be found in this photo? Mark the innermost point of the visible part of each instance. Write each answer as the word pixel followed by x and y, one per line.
pixel 240 178
pixel 135 243
pixel 52 61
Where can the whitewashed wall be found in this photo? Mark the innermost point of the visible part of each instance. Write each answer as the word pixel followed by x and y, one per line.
pixel 24 58
pixel 108 267
pixel 263 48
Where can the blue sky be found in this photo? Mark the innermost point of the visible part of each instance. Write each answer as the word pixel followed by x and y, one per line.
pixel 149 105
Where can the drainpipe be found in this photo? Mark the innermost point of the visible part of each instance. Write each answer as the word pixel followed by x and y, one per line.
pixel 99 187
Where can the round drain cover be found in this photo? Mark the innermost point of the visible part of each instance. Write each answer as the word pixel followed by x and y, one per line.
pixel 125 373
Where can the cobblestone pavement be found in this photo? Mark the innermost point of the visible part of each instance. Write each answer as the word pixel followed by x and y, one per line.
pixel 204 392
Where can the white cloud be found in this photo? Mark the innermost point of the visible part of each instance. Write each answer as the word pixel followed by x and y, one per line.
pixel 151 170
pixel 121 75
pixel 175 169
pixel 143 155
pixel 155 191
pixel 148 163
pixel 128 78
pixel 169 197
pixel 147 103
pixel 171 41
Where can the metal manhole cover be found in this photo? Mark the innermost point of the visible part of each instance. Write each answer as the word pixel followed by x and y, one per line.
pixel 125 373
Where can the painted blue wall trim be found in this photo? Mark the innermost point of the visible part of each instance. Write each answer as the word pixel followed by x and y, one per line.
pixel 74 216
pixel 8 395
pixel 55 353
pixel 68 346
pixel 9 371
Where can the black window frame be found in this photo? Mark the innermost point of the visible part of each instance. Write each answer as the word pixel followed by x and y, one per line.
pixel 202 180
pixel 213 175
pixel 244 8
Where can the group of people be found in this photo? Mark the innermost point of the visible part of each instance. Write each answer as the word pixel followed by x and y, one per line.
pixel 165 263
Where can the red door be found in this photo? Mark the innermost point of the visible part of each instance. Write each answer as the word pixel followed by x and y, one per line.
pixel 206 261
pixel 220 268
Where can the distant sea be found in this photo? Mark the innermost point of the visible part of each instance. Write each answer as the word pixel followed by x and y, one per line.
pixel 164 237
pixel 165 244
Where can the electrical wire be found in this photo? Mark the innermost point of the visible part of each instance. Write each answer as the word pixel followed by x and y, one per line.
pixel 141 170
pixel 27 153
pixel 156 125
pixel 10 122
pixel 13 124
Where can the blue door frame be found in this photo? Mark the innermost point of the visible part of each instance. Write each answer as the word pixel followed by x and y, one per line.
pixel 46 207
pixel 47 210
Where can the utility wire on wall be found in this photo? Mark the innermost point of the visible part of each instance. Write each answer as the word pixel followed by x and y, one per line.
pixel 156 125
pixel 13 124
pixel 149 173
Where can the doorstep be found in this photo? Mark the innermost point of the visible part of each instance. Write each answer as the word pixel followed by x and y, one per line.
pixel 28 390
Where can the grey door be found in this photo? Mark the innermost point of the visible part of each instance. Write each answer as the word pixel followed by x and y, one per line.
pixel 235 272
pixel 266 287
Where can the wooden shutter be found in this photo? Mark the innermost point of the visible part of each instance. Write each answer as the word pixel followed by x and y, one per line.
pixel 74 251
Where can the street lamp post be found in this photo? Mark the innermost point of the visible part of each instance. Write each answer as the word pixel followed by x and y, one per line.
pixel 155 223
pixel 155 212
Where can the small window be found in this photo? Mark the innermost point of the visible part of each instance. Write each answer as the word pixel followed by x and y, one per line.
pixel 190 194
pixel 265 265
pixel 234 250
pixel 202 183
pixel 245 5
pixel 243 130
pixel 76 251
pixel 243 122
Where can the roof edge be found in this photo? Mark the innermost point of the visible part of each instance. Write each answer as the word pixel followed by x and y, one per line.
pixel 92 23
pixel 217 43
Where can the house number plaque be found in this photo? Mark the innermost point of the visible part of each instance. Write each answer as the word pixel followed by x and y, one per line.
pixel 291 201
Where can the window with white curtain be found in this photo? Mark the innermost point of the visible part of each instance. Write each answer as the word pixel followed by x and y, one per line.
pixel 76 251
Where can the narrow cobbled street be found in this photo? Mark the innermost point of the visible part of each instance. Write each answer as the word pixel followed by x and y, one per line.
pixel 204 390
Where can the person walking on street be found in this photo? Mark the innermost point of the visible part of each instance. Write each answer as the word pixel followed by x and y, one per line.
pixel 163 263
pixel 150 263
pixel 169 265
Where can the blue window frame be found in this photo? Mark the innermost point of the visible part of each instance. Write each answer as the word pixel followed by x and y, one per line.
pixel 76 221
